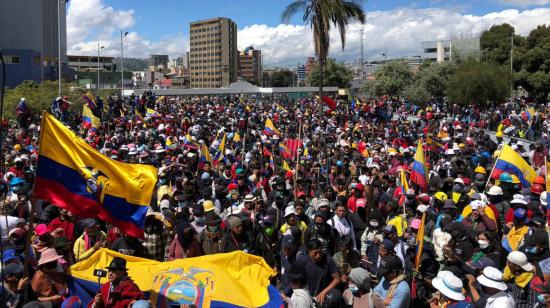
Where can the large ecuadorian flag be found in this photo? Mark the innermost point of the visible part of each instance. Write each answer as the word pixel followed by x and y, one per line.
pixel 232 279
pixel 72 174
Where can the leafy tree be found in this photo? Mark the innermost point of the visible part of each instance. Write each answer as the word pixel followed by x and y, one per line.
pixel 282 78
pixel 434 78
pixel 321 16
pixel 336 74
pixel 266 79
pixel 496 44
pixel 534 63
pixel 479 83
pixel 39 96
pixel 391 79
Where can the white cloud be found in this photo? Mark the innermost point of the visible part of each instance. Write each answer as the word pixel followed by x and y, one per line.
pixel 90 21
pixel 525 3
pixel 395 33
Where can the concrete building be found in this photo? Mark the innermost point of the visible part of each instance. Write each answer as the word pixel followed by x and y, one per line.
pixel 91 63
pixel 250 65
pixel 301 73
pixel 29 39
pixel 444 50
pixel 158 62
pixel 213 56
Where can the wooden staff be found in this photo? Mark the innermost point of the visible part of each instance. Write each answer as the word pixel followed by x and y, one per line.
pixel 297 160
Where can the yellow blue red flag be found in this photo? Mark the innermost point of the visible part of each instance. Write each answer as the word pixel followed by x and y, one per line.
pixel 89 98
pixel 219 153
pixel 511 162
pixel 205 154
pixel 270 129
pixel 232 279
pixel 75 176
pixel 286 167
pixel 419 172
pixel 89 120
pixel 152 113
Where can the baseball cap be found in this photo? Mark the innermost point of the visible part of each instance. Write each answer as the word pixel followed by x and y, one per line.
pixel 520 213
pixel 520 259
pixel 388 245
pixel 388 264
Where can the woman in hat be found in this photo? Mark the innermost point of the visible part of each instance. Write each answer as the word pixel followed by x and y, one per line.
pixel 120 291
pixel 49 281
pixel 450 290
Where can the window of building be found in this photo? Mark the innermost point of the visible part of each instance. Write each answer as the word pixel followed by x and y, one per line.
pixel 12 59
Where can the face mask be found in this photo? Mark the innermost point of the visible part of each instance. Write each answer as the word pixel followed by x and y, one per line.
pixel 162 181
pixel 531 250
pixel 457 188
pixel 354 289
pixel 374 223
pixel 212 228
pixel 483 244
pixel 540 298
pixel 200 220
pixel 269 231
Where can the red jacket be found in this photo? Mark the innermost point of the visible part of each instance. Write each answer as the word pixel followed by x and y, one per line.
pixel 124 293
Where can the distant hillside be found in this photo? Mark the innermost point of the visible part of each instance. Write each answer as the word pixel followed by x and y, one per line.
pixel 131 64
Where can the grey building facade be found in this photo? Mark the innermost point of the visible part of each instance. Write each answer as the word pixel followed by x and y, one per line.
pixel 29 39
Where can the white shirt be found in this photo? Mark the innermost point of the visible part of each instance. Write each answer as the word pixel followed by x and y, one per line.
pixel 300 299
pixel 501 299
pixel 7 227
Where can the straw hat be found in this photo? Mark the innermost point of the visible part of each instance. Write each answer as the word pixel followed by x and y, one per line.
pixel 48 255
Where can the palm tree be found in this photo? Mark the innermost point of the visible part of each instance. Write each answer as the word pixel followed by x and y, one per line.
pixel 321 16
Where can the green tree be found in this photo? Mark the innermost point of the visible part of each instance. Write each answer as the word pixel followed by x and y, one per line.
pixel 479 83
pixel 39 96
pixel 282 78
pixel 321 16
pixel 534 64
pixel 434 78
pixel 336 74
pixel 496 44
pixel 392 79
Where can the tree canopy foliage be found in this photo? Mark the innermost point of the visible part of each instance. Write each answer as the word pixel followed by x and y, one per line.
pixel 335 74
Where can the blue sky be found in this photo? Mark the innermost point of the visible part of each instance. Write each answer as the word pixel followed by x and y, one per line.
pixel 177 14
pixel 394 27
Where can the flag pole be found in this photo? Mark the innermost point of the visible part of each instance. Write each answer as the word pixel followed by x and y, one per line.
pixel 494 165
pixel 547 190
pixel 297 161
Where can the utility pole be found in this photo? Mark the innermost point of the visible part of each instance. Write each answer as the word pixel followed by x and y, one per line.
pixel 59 46
pixel 98 49
pixel 122 63
pixel 512 64
pixel 362 59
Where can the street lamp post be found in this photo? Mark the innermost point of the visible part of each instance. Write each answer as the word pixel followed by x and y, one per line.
pixel 122 63
pixel 98 49
pixel 59 46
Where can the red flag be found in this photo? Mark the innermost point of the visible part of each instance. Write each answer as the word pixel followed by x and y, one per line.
pixel 293 144
pixel 330 102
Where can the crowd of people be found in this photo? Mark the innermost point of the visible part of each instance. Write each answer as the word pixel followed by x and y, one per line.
pixel 320 195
